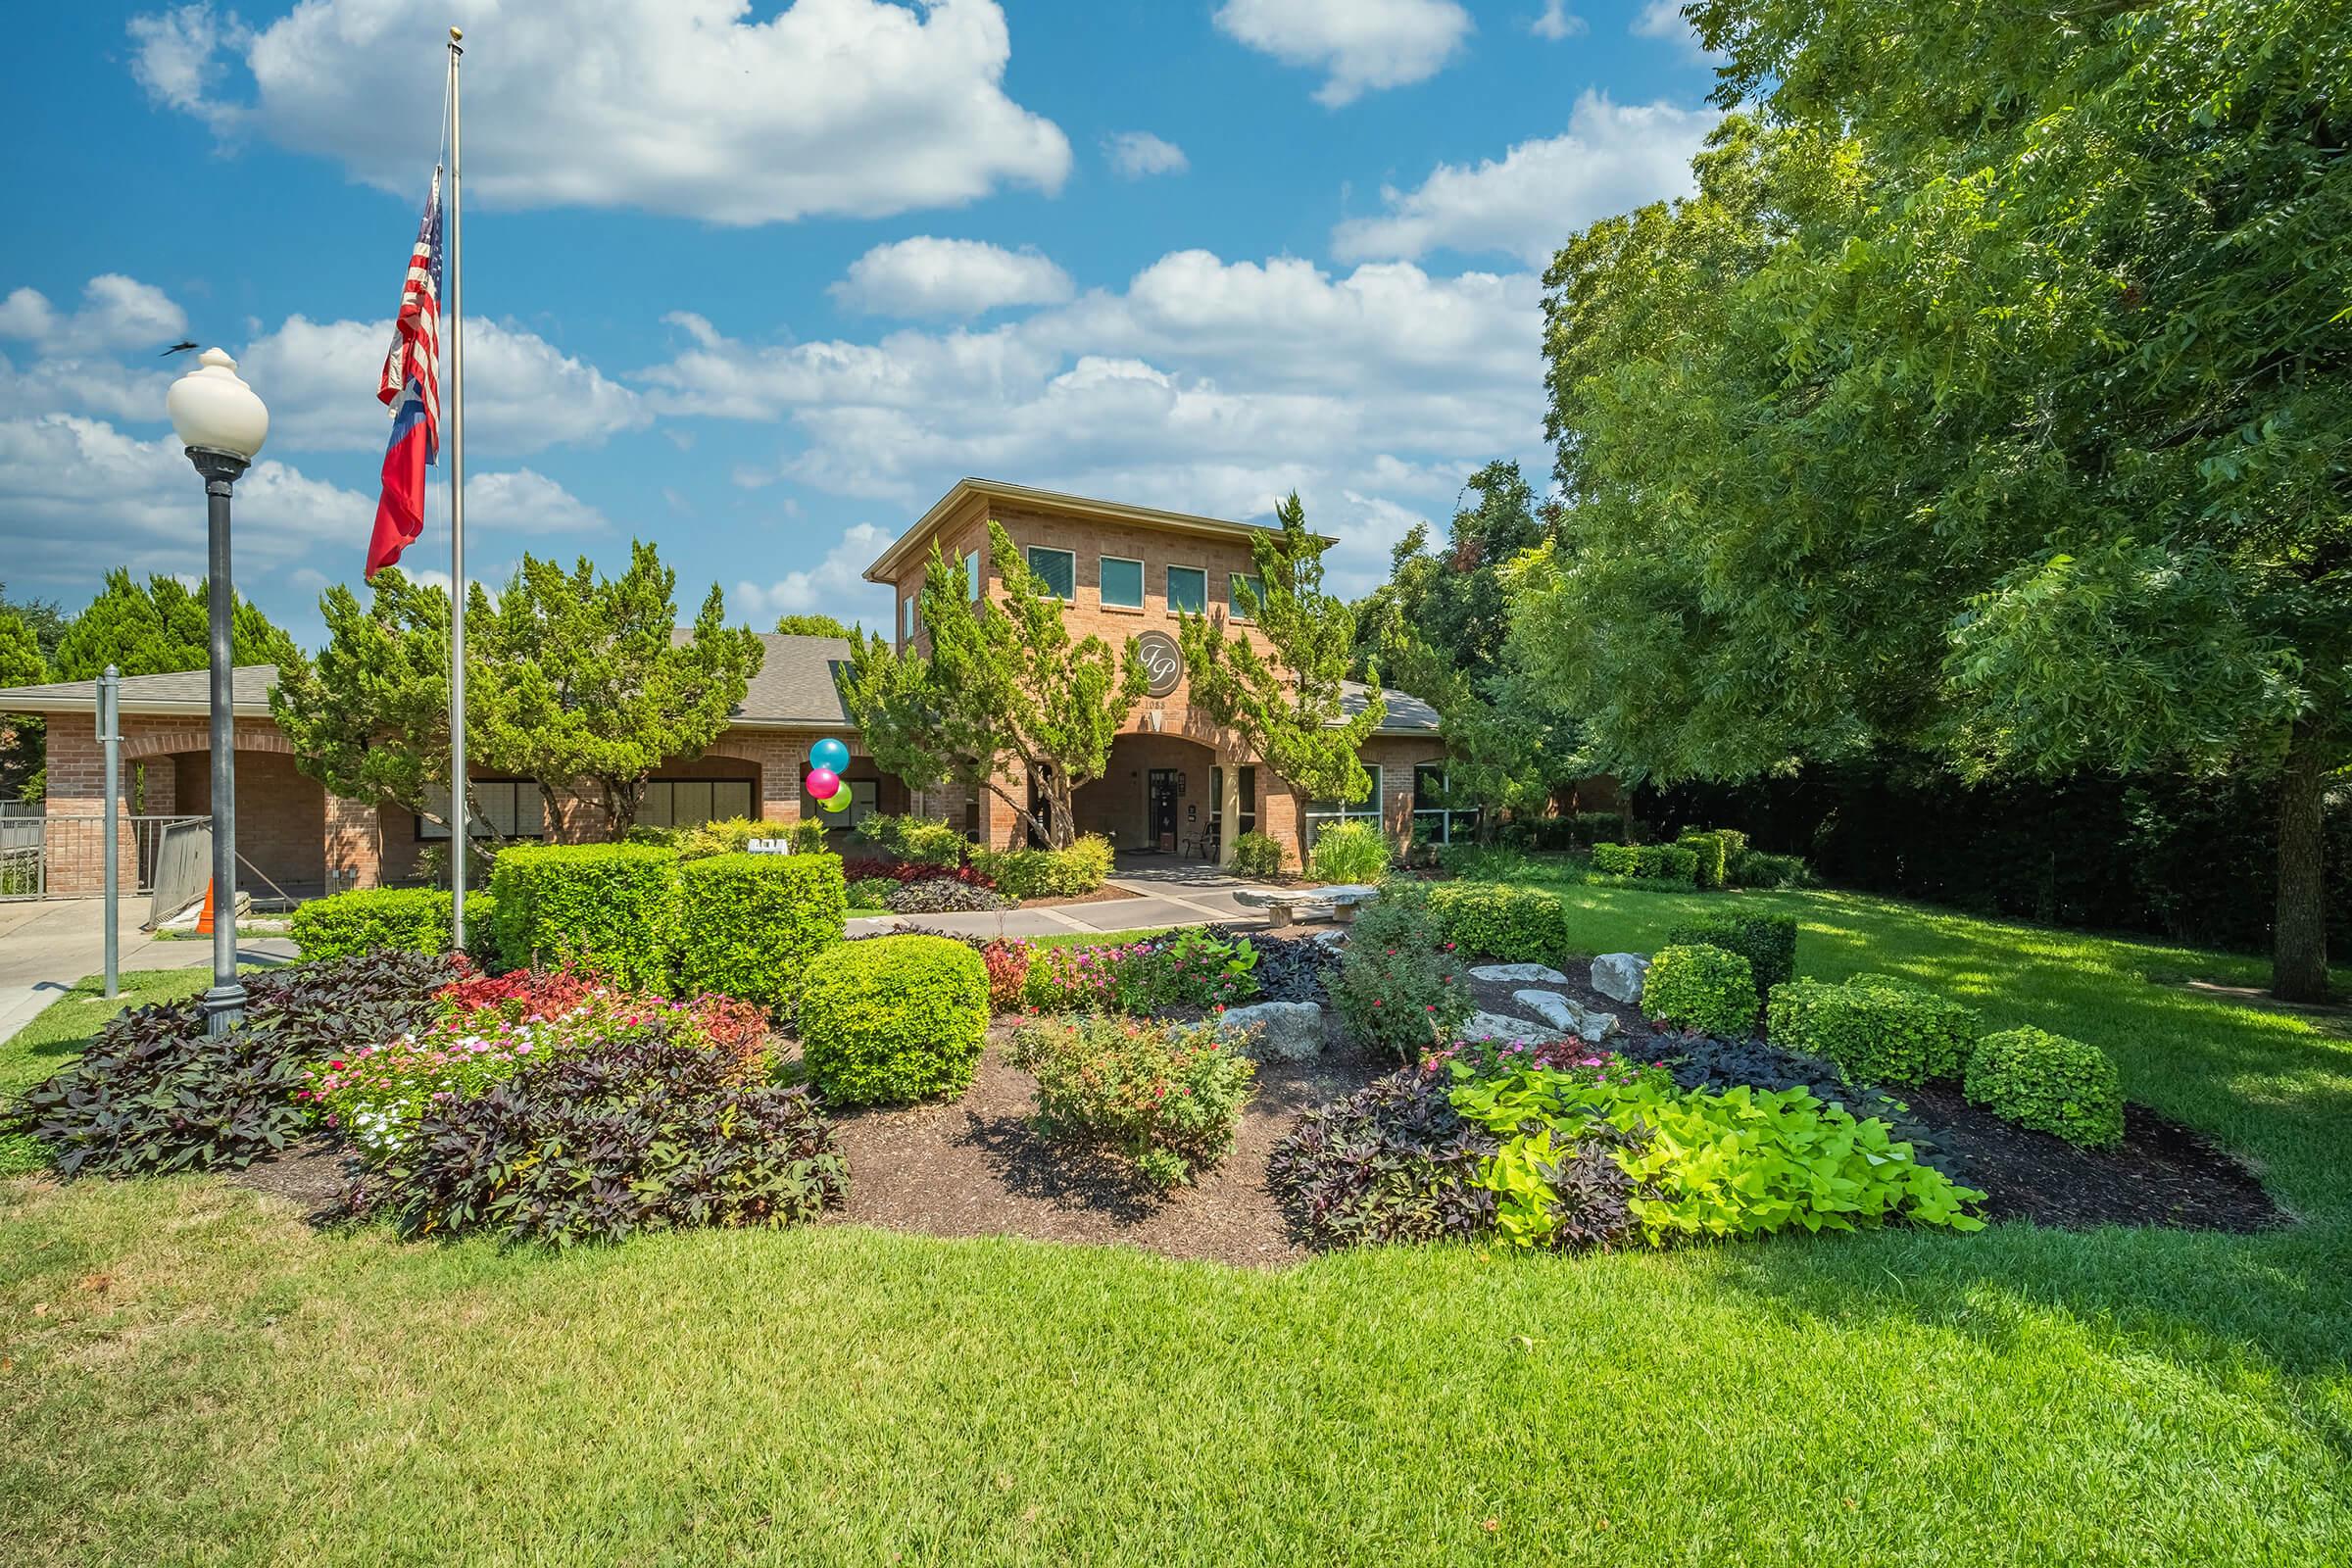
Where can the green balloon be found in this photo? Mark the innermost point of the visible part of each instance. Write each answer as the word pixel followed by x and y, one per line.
pixel 838 801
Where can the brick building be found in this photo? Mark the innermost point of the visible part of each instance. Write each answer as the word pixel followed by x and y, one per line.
pixel 1122 570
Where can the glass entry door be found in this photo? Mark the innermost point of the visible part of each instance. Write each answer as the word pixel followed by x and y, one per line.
pixel 1161 787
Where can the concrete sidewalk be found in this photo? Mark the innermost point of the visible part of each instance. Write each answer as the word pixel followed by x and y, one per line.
pixel 48 943
pixel 1185 896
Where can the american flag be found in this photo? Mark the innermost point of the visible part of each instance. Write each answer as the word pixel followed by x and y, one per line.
pixel 415 352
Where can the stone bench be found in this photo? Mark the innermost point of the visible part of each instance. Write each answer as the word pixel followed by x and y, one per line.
pixel 1337 904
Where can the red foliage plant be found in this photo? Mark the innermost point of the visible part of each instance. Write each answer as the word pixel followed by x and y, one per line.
pixel 522 992
pixel 1007 974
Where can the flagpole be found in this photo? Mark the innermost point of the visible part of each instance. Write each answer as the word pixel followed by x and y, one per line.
pixel 461 842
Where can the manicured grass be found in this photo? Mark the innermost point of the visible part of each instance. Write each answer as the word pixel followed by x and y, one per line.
pixel 190 1375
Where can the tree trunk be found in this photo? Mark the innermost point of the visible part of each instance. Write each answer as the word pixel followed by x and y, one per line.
pixel 2299 935
pixel 1061 832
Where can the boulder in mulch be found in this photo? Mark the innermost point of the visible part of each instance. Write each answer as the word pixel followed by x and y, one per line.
pixel 1276 1031
pixel 1568 1014
pixel 1525 973
pixel 1619 976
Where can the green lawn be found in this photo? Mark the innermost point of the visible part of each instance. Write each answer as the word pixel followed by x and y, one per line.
pixel 191 1376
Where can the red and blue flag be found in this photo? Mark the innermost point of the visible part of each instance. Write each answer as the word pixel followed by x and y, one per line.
pixel 411 388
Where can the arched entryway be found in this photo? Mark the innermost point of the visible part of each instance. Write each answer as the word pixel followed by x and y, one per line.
pixel 1161 795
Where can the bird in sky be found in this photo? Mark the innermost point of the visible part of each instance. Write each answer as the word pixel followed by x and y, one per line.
pixel 177 348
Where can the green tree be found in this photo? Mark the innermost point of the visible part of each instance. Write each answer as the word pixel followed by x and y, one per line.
pixel 813 626
pixel 1002 685
pixel 159 627
pixel 22 736
pixel 1989 399
pixel 581 680
pixel 1287 709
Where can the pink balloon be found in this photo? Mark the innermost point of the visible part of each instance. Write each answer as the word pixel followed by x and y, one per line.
pixel 823 783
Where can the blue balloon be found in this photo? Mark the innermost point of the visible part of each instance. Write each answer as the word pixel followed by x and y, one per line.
pixel 829 753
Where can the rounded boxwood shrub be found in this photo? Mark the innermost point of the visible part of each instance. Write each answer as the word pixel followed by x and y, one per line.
pixel 1768 942
pixel 1877 1030
pixel 1257 855
pixel 1501 920
pixel 747 924
pixel 1700 987
pixel 606 908
pixel 2049 1083
pixel 894 1019
pixel 1350 852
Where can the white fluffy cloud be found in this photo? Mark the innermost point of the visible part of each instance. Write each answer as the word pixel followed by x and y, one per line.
pixel 523 394
pixel 524 501
pixel 1138 155
pixel 1664 18
pixel 834 585
pixel 1556 22
pixel 855 108
pixel 1612 158
pixel 116 313
pixel 1204 386
pixel 930 277
pixel 1362 45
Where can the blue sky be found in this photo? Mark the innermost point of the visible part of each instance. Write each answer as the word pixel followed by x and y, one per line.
pixel 761 281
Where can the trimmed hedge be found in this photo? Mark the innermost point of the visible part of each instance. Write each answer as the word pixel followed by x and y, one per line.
pixel 1700 987
pixel 388 919
pixel 606 908
pixel 1083 867
pixel 1675 863
pixel 1877 1030
pixel 1753 869
pixel 748 924
pixel 1714 855
pixel 2049 1083
pixel 1767 941
pixel 1502 920
pixel 924 841
pixel 894 1019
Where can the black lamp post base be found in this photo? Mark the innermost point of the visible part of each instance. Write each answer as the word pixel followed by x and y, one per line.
pixel 224 1008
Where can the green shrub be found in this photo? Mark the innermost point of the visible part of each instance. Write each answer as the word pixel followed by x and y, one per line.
pixel 2049 1083
pixel 1675 863
pixel 925 841
pixel 1350 852
pixel 894 1019
pixel 1083 867
pixel 1398 984
pixel 1753 869
pixel 1713 855
pixel 1166 1098
pixel 377 919
pixel 1257 855
pixel 1700 987
pixel 747 924
pixel 872 892
pixel 1500 921
pixel 1878 1031
pixel 606 908
pixel 1767 941
pixel 1595 827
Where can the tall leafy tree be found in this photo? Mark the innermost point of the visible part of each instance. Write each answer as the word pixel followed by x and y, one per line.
pixel 1989 399
pixel 1002 685
pixel 1287 709
pixel 158 627
pixel 813 626
pixel 584 681
pixel 369 717
pixel 22 736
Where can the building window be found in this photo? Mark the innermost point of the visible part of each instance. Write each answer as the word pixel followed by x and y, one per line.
pixel 1436 819
pixel 1188 589
pixel 1057 570
pixel 1122 582
pixel 692 801
pixel 972 575
pixel 865 798
pixel 1366 809
pixel 1216 799
pixel 510 808
pixel 1233 594
pixel 907 621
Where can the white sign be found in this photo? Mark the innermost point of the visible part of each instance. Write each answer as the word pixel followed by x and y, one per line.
pixel 769 846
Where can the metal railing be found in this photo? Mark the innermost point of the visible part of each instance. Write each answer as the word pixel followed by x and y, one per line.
pixel 36 849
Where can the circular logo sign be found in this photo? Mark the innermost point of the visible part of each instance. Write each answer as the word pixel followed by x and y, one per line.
pixel 1163 661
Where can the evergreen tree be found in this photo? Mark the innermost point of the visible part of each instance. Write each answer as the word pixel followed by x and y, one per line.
pixel 161 627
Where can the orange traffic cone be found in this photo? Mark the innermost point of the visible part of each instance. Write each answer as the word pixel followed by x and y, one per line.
pixel 203 921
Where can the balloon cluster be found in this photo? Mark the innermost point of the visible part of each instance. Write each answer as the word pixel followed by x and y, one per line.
pixel 826 758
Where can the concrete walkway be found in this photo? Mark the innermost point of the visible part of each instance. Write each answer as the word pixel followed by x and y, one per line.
pixel 48 943
pixel 1180 892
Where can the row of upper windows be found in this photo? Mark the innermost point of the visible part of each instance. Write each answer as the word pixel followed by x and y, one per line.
pixel 1119 581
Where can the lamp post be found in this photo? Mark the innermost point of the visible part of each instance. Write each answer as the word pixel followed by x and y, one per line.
pixel 223 424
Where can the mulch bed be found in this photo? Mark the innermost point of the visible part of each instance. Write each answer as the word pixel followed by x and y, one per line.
pixel 315 1175
pixel 974 1166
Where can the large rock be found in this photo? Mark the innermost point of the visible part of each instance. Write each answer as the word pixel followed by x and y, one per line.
pixel 1541 973
pixel 1619 976
pixel 1496 1026
pixel 1566 1012
pixel 1276 1031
